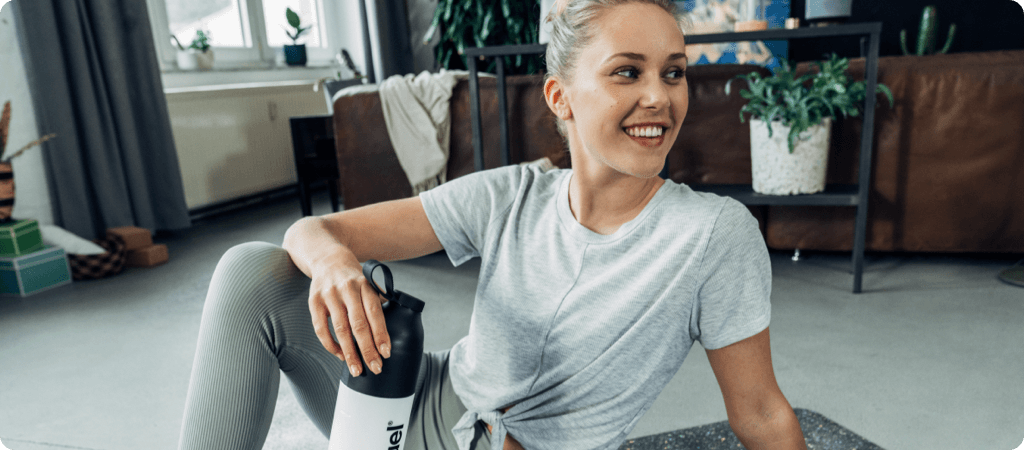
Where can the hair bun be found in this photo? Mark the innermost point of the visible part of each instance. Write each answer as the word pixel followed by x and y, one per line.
pixel 557 9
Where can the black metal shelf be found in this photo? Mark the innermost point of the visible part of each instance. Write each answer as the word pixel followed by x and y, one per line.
pixel 834 195
pixel 786 34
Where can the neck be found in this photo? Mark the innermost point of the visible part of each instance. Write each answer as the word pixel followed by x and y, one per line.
pixel 602 199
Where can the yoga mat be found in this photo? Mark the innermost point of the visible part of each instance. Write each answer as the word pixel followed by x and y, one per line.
pixel 820 433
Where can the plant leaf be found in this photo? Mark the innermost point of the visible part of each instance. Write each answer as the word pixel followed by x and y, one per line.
pixel 888 94
pixel 448 10
pixel 488 24
pixel 293 19
pixel 434 24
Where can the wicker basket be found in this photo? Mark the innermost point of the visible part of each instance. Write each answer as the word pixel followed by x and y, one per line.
pixel 91 267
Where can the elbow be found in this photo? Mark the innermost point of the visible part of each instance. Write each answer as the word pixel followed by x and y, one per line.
pixel 772 426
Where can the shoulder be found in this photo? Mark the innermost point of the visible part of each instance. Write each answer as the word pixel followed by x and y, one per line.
pixel 506 179
pixel 491 193
pixel 715 211
pixel 718 225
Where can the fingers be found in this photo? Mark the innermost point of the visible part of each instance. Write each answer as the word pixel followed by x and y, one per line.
pixel 318 309
pixel 375 314
pixel 343 332
pixel 360 325
pixel 358 320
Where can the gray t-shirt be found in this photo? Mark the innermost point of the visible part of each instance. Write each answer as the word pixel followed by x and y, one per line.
pixel 582 331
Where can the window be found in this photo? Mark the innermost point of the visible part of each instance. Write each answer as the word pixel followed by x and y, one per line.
pixel 249 34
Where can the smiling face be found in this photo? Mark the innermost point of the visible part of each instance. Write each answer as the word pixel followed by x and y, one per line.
pixel 627 96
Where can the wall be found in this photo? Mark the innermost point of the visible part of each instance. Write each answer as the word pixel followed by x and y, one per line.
pixel 33 194
pixel 982 25
pixel 235 140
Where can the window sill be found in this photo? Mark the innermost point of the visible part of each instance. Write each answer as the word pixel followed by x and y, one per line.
pixel 178 79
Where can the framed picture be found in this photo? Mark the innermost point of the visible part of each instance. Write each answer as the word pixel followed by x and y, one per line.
pixel 720 16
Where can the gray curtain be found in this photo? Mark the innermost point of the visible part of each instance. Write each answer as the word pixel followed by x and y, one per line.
pixel 393 37
pixel 95 80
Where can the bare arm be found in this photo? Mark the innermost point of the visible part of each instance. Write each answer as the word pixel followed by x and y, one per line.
pixel 758 412
pixel 329 250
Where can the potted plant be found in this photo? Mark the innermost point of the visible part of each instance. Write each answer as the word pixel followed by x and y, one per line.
pixel 295 54
pixel 197 55
pixel 461 24
pixel 791 119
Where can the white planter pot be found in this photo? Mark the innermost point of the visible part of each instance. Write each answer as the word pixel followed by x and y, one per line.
pixel 776 171
pixel 194 60
pixel 187 60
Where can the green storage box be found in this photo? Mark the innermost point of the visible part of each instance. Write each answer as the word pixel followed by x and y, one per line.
pixel 20 237
pixel 38 271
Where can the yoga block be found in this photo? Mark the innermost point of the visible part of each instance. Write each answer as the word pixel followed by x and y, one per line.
pixel 134 237
pixel 20 237
pixel 148 257
pixel 34 272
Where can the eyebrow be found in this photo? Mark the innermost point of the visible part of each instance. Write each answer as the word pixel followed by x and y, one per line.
pixel 640 57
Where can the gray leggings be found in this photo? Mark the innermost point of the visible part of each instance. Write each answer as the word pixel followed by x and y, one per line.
pixel 255 323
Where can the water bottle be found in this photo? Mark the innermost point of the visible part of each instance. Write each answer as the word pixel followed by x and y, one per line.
pixel 372 411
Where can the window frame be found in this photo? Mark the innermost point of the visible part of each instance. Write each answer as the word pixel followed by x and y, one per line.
pixel 261 56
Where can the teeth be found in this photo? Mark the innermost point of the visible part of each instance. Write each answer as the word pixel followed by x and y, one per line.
pixel 644 131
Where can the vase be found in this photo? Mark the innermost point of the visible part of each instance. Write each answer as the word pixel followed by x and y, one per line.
pixel 204 60
pixel 187 60
pixel 6 191
pixel 827 9
pixel 776 171
pixel 751 15
pixel 295 55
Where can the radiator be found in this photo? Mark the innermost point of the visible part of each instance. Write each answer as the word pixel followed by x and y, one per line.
pixel 234 140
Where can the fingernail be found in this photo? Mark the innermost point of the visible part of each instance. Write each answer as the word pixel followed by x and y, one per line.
pixel 385 350
pixel 375 367
pixel 354 369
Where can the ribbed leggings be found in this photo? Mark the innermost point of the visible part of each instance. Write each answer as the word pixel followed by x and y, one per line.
pixel 256 324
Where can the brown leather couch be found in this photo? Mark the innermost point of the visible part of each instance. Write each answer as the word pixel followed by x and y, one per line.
pixel 948 171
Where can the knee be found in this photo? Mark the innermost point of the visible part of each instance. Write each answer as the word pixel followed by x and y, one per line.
pixel 256 266
pixel 258 254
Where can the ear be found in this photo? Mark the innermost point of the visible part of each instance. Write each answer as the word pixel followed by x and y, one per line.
pixel 554 94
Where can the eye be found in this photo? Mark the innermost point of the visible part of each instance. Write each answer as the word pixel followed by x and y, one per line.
pixel 628 72
pixel 676 74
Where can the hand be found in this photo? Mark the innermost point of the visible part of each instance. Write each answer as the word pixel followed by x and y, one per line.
pixel 342 293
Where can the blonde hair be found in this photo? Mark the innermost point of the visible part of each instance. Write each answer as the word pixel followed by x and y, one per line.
pixel 572 29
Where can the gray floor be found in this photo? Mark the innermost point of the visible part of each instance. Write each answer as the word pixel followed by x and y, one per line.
pixel 931 356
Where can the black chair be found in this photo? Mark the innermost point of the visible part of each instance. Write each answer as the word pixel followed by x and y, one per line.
pixel 315 158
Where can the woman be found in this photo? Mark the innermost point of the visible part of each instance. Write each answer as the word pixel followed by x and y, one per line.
pixel 594 281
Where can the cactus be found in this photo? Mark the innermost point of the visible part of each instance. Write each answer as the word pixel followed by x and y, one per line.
pixel 926 34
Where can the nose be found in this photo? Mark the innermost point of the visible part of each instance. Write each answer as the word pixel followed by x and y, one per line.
pixel 655 94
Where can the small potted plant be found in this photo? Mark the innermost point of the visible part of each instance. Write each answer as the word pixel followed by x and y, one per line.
pixel 295 54
pixel 791 120
pixel 197 55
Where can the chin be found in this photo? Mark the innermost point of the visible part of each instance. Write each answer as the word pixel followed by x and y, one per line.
pixel 639 170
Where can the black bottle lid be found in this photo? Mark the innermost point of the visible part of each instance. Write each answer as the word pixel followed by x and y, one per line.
pixel 390 293
pixel 400 372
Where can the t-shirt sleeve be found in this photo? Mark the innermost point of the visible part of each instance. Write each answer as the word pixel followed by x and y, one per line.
pixel 461 210
pixel 733 301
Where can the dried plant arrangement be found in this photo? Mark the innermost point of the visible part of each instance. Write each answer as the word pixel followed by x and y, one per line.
pixel 5 124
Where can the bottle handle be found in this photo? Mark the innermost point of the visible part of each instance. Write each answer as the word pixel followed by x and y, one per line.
pixel 389 286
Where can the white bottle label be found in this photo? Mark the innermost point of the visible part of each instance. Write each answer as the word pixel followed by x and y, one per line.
pixel 362 422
